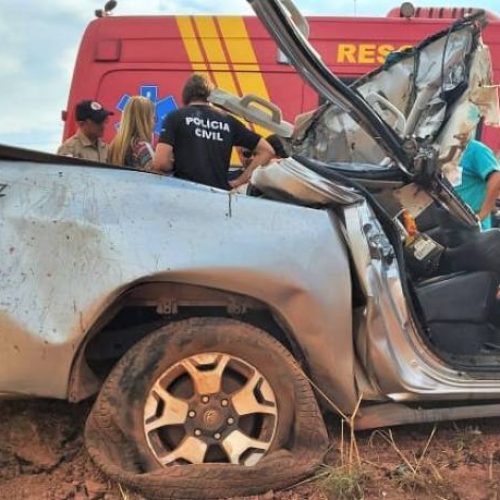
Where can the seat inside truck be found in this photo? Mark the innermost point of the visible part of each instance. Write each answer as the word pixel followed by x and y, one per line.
pixel 462 312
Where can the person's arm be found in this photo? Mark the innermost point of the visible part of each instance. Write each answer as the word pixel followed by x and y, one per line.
pixel 487 168
pixel 492 193
pixel 263 154
pixel 163 160
pixel 263 151
pixel 451 154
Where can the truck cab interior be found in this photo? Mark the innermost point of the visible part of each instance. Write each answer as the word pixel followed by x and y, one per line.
pixel 455 291
pixel 385 136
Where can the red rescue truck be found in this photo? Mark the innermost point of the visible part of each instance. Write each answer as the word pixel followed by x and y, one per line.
pixel 153 56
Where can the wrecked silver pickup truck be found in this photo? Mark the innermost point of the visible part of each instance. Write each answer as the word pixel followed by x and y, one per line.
pixel 204 319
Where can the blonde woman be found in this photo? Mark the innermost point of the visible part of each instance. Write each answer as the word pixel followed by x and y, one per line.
pixel 132 144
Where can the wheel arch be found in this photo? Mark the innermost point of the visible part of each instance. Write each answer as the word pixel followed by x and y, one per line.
pixel 170 302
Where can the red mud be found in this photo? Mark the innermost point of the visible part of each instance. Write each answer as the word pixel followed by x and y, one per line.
pixel 42 456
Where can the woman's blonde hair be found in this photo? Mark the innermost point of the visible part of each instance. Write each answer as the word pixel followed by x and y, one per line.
pixel 137 123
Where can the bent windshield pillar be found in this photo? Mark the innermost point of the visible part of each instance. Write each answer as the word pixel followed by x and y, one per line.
pixel 273 14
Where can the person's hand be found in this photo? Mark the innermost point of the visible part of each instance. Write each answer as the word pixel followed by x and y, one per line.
pixel 236 183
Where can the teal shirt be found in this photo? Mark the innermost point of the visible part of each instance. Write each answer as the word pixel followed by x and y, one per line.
pixel 477 163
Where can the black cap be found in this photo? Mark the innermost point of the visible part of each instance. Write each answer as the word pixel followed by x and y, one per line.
pixel 91 110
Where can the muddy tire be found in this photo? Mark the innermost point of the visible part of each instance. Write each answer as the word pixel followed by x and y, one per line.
pixel 206 408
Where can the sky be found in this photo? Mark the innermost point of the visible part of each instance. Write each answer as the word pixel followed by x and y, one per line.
pixel 40 40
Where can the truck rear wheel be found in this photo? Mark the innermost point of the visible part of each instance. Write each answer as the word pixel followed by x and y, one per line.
pixel 206 408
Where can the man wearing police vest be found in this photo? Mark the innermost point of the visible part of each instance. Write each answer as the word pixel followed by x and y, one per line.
pixel 196 141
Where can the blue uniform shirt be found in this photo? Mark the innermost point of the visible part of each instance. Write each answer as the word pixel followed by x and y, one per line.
pixel 477 163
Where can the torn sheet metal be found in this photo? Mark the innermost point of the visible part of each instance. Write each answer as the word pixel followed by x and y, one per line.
pixel 415 92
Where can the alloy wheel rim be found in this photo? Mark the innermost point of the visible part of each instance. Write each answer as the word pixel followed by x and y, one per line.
pixel 210 408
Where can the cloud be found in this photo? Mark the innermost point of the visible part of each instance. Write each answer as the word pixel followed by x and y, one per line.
pixel 39 43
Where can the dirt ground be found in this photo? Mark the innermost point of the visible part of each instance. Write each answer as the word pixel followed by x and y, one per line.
pixel 42 456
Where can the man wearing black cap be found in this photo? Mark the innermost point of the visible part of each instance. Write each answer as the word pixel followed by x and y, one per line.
pixel 87 143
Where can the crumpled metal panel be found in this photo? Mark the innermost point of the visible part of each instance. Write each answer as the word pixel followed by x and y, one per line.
pixel 289 180
pixel 73 238
pixel 480 99
pixel 415 93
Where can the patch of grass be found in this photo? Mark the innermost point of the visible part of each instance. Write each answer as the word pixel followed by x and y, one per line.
pixel 408 481
pixel 463 445
pixel 416 474
pixel 343 482
pixel 466 438
pixel 426 481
